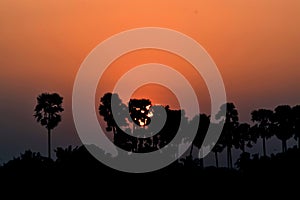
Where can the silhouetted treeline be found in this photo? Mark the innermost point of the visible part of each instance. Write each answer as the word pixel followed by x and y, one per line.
pixel 133 119
pixel 283 123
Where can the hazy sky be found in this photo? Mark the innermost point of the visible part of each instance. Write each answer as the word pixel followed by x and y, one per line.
pixel 255 44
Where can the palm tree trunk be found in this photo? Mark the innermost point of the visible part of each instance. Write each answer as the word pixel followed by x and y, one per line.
pixel 298 142
pixel 264 146
pixel 49 143
pixel 229 160
pixel 284 146
pixel 134 128
pixel 201 158
pixel 115 138
pixel 216 158
pixel 191 150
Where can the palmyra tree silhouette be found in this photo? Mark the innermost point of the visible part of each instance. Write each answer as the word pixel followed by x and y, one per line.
pixel 47 112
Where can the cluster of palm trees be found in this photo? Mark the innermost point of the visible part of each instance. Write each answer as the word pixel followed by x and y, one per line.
pixel 140 115
pixel 282 122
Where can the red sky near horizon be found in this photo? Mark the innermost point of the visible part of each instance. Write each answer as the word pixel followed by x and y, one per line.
pixel 255 44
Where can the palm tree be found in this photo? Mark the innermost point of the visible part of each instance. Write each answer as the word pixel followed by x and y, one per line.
pixel 242 137
pixel 176 123
pixel 296 122
pixel 47 112
pixel 230 126
pixel 204 122
pixel 140 115
pixel 218 148
pixel 283 124
pixel 219 145
pixel 253 136
pixel 263 126
pixel 105 110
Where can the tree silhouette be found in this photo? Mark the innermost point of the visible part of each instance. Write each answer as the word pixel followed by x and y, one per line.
pixel 176 123
pixel 283 124
pixel 219 145
pixel 263 126
pixel 155 115
pixel 296 122
pixel 47 112
pixel 105 110
pixel 140 115
pixel 204 122
pixel 228 132
pixel 253 136
pixel 242 137
pixel 218 148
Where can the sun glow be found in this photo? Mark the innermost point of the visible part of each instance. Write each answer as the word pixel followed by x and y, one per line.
pixel 150 114
pixel 141 123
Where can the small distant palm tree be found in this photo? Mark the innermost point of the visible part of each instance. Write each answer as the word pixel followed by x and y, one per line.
pixel 242 137
pixel 47 112
pixel 219 145
pixel 283 123
pixel 218 148
pixel 263 125
pixel 230 126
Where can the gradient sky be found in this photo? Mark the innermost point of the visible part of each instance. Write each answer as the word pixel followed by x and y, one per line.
pixel 255 44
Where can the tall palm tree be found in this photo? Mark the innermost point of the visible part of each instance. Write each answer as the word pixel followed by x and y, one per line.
pixel 230 126
pixel 263 126
pixel 105 110
pixel 283 124
pixel 47 112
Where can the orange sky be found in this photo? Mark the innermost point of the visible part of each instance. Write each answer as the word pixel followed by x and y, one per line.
pixel 163 96
pixel 255 44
